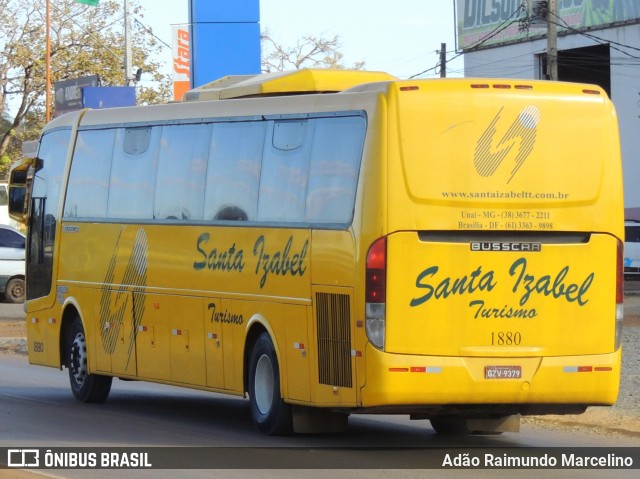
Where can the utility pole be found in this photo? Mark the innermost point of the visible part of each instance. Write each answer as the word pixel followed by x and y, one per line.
pixel 47 95
pixel 552 40
pixel 443 60
pixel 128 77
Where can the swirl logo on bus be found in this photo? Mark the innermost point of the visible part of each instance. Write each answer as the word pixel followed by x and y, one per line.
pixel 114 300
pixel 516 144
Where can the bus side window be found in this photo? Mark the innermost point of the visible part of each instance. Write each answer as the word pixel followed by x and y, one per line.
pixel 88 187
pixel 285 171
pixel 182 169
pixel 235 162
pixel 335 165
pixel 133 173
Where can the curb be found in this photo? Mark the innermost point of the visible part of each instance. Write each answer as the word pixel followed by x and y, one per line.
pixel 570 422
pixel 13 345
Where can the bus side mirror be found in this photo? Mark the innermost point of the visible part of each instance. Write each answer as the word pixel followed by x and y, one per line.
pixel 19 181
pixel 17 197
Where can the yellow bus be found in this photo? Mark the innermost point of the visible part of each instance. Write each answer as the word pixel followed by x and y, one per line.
pixel 335 242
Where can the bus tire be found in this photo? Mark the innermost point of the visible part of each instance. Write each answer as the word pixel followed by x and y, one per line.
pixel 459 426
pixel 14 291
pixel 450 426
pixel 270 414
pixel 88 388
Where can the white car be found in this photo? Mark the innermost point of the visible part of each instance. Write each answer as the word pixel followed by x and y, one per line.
pixel 4 206
pixel 12 264
pixel 632 249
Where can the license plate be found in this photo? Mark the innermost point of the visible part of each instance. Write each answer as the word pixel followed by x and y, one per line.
pixel 502 372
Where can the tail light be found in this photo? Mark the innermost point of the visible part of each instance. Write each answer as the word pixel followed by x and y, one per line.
pixel 376 292
pixel 619 295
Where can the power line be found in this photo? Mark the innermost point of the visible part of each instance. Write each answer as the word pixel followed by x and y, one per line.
pixel 91 34
pixel 594 37
pixel 574 61
pixel 597 39
pixel 503 26
pixel 117 55
pixel 150 32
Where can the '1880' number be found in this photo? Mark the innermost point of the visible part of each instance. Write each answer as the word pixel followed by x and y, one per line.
pixel 506 338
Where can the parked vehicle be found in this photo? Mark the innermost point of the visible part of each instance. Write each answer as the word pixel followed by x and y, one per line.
pixel 632 249
pixel 12 255
pixel 4 208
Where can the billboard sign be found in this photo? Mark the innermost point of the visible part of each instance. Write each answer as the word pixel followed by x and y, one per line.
pixel 108 97
pixel 181 61
pixel 225 39
pixel 68 93
pixel 484 23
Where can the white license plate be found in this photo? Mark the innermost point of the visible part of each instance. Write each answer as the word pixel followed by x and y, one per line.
pixel 502 372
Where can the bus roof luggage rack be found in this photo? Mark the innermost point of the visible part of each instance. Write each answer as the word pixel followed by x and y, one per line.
pixel 284 83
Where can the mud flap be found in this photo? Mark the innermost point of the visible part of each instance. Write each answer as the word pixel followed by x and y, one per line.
pixel 311 420
pixel 503 424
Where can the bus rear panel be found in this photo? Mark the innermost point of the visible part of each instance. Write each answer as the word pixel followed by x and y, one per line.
pixel 502 253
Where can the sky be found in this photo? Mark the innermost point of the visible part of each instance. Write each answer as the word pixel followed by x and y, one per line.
pixel 400 37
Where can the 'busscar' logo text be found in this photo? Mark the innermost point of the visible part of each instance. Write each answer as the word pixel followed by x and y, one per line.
pixel 504 246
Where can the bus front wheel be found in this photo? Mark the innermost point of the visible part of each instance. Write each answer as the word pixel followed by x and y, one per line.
pixel 90 388
pixel 270 414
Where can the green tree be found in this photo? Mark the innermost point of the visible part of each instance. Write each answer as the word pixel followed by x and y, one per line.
pixel 85 40
pixel 5 160
pixel 308 52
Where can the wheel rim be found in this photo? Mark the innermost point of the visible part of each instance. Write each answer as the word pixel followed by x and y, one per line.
pixel 17 290
pixel 79 358
pixel 264 384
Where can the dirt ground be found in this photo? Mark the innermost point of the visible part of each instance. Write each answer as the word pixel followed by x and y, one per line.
pixel 13 329
pixel 624 417
pixel 621 419
pixel 13 337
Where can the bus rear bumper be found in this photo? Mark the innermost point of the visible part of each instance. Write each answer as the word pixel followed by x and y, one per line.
pixel 412 381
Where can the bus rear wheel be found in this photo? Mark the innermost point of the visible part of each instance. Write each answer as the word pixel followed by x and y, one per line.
pixel 270 414
pixel 450 426
pixel 465 426
pixel 89 388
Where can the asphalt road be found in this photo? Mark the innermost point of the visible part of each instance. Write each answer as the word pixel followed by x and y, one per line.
pixel 11 312
pixel 37 409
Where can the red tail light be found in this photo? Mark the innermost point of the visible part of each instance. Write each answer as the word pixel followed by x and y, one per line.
pixel 376 273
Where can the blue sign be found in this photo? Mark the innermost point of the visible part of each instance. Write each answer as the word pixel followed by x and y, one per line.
pixel 108 97
pixel 225 39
